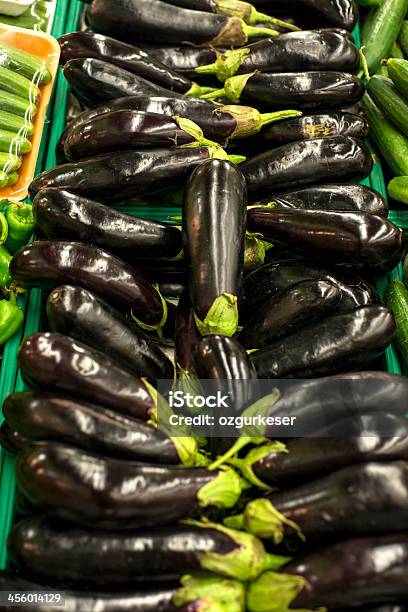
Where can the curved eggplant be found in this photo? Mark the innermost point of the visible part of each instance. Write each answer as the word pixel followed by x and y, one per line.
pixel 105 493
pixel 59 364
pixel 289 311
pixel 214 223
pixel 339 13
pixel 298 164
pixel 116 178
pixel 47 263
pixel 10 440
pixel 338 343
pixel 186 333
pixel 183 60
pixel 359 239
pixel 60 214
pixel 44 416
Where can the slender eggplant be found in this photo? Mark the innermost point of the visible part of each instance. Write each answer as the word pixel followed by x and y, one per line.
pixel 298 163
pixel 289 311
pixel 214 222
pixel 11 440
pixel 59 364
pixel 116 178
pixel 183 60
pixel 172 287
pixel 336 196
pixel 48 263
pixel 46 416
pixel 294 51
pixel 147 20
pixel 60 214
pixel 339 343
pixel 295 89
pixel 359 239
pixel 107 493
pixel 75 45
pixel 108 558
pixel 186 334
pixel 80 314
pixel 339 13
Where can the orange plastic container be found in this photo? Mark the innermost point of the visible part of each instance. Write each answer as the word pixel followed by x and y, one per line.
pixel 47 49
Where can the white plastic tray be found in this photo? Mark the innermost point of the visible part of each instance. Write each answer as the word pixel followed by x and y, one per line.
pixel 14 7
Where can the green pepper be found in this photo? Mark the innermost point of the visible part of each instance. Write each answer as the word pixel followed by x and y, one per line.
pixel 11 318
pixel 4 229
pixel 5 258
pixel 20 225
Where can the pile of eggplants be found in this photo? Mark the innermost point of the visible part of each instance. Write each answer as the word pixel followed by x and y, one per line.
pixel 256 286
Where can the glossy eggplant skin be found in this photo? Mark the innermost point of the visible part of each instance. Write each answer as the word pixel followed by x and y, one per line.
pixel 186 333
pixel 183 60
pixel 172 287
pixel 96 81
pixel 73 555
pixel 10 440
pixel 339 13
pixel 297 164
pixel 58 364
pixel 88 44
pixel 289 311
pixel 47 263
pixel 44 416
pixel 337 196
pixel 317 125
pixel 352 440
pixel 105 493
pixel 157 599
pixel 339 343
pixel 80 314
pixel 302 89
pixel 354 572
pixel 60 214
pixel 115 178
pixel 359 239
pixel 214 224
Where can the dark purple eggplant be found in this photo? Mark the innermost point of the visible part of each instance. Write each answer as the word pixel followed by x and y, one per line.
pixel 126 174
pixel 293 51
pixel 48 263
pixel 152 20
pixel 357 239
pixel 299 163
pixel 289 311
pixel 60 214
pixel 58 364
pixel 107 493
pixel 173 286
pixel 74 556
pixel 45 416
pixel 11 440
pixel 339 343
pixel 304 90
pixel 336 196
pixel 339 13
pixel 214 223
pixel 186 334
pixel 80 314
pixel 183 60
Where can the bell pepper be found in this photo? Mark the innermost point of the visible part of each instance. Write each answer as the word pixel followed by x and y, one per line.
pixel 5 259
pixel 20 225
pixel 11 318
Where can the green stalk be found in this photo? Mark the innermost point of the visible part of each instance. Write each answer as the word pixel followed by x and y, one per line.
pixel 274 592
pixel 210 594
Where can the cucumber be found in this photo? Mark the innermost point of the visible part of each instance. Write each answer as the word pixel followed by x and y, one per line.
pixel 30 22
pixel 18 85
pixel 389 100
pixel 26 64
pixel 398 189
pixel 12 179
pixel 9 162
pixel 14 104
pixel 398 72
pixel 14 123
pixel 403 38
pixel 390 141
pixel 396 51
pixel 396 298
pixel 13 143
pixel 382 31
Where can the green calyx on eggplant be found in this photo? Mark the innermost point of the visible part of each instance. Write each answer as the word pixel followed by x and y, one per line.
pixel 274 591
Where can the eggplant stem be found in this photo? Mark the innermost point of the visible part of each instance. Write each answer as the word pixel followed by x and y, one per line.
pixel 267 118
pixel 252 32
pixel 234 450
pixel 257 17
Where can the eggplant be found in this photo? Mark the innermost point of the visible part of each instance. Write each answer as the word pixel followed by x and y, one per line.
pixel 48 263
pixel 292 51
pixel 79 313
pixel 304 90
pixel 60 214
pixel 361 240
pixel 336 196
pixel 58 364
pixel 289 311
pixel 339 13
pixel 370 436
pixel 214 223
pixel 41 416
pixel 299 163
pixel 186 334
pixel 106 493
pixel 11 440
pixel 338 343
pixel 146 20
pixel 183 60
pixel 263 283
pixel 172 287
pixel 76 45
pixel 115 178
pixel 76 556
